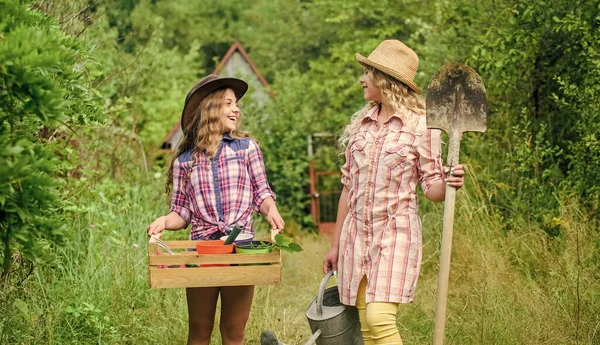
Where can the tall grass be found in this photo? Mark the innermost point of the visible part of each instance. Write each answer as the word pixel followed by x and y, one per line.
pixel 517 287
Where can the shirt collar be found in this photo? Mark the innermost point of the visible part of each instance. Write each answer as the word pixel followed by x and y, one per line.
pixel 407 118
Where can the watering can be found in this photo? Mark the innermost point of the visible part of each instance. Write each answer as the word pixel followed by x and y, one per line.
pixel 331 322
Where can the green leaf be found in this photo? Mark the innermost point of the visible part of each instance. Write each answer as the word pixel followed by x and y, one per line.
pixel 295 247
pixel 23 308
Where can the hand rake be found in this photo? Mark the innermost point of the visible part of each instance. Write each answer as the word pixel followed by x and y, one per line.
pixel 156 239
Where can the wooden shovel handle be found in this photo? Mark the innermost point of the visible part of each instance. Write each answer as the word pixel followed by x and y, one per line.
pixel 444 275
pixel 446 250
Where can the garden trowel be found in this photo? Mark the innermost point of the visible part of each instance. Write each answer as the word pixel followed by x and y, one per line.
pixel 456 103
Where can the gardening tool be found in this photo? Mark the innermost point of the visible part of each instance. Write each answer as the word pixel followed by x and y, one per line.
pixel 456 103
pixel 233 234
pixel 156 239
pixel 331 322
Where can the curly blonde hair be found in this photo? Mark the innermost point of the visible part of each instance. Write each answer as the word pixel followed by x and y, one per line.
pixel 394 92
pixel 204 133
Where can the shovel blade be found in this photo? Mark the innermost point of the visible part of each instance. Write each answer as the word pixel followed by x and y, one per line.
pixel 456 101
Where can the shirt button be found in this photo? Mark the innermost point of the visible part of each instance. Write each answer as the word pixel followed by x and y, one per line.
pixel 377 143
pixel 373 162
pixel 368 203
pixel 365 263
pixel 370 184
pixel 366 222
pixel 367 243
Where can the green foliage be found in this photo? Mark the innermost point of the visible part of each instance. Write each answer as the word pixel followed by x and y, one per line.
pixel 43 92
pixel 533 171
pixel 545 59
pixel 281 242
pixel 578 96
pixel 539 65
pixel 145 88
pixel 95 290
pixel 286 244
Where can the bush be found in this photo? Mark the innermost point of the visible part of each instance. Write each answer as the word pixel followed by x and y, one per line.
pixel 44 93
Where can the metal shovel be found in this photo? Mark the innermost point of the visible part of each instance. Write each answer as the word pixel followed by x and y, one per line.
pixel 456 103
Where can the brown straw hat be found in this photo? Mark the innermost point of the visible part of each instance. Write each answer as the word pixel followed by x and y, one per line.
pixel 204 87
pixel 396 59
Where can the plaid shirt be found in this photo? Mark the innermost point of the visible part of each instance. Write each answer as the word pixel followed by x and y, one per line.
pixel 381 235
pixel 216 194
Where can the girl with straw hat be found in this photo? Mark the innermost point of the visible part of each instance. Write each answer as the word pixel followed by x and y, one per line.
pixel 218 178
pixel 377 246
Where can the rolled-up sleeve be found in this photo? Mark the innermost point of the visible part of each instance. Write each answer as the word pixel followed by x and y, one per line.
pixel 430 159
pixel 346 169
pixel 179 201
pixel 258 176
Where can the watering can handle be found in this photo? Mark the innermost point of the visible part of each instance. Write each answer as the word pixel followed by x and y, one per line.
pixel 322 292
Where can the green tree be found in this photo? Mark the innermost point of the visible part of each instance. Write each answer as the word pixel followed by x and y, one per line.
pixel 542 60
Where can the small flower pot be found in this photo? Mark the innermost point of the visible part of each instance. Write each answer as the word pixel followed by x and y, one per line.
pixel 253 247
pixel 213 247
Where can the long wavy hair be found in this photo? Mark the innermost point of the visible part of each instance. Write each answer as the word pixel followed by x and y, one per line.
pixel 394 92
pixel 204 133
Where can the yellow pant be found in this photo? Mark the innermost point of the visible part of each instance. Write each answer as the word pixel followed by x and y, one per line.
pixel 377 319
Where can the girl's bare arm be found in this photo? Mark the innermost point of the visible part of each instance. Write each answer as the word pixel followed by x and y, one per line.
pixel 437 191
pixel 172 221
pixel 269 210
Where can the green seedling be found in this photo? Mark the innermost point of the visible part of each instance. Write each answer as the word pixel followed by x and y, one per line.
pixel 281 242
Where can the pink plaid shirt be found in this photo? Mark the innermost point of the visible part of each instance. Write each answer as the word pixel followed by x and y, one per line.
pixel 381 235
pixel 220 192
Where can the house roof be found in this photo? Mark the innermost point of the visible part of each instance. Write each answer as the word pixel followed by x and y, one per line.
pixel 236 46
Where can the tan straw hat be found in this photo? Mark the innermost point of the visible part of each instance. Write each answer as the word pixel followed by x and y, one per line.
pixel 396 59
pixel 204 87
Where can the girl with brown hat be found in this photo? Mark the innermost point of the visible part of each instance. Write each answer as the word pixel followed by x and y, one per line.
pixel 218 178
pixel 377 245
